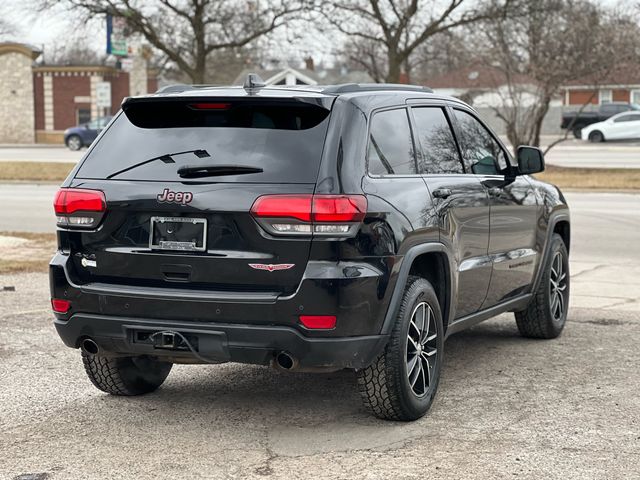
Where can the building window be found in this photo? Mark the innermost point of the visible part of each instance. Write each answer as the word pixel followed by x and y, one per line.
pixel 635 97
pixel 606 96
pixel 83 115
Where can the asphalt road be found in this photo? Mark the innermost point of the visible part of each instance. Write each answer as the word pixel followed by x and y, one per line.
pixel 572 154
pixel 507 407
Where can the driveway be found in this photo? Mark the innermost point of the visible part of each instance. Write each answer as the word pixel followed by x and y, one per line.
pixel 507 407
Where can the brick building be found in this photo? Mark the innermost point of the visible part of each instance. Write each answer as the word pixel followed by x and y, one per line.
pixel 621 85
pixel 38 102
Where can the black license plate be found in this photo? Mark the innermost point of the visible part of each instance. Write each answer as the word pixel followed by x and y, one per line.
pixel 178 233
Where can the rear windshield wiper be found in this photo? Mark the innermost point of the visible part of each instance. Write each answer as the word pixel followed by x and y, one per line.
pixel 166 158
pixel 201 171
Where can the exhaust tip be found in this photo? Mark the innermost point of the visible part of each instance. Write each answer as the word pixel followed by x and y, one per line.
pixel 89 346
pixel 285 361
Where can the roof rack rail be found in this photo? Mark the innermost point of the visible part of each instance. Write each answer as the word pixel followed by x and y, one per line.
pixel 374 87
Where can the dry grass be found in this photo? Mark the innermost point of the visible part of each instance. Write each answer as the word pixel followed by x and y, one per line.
pixel 23 266
pixel 35 171
pixel 592 178
pixel 22 252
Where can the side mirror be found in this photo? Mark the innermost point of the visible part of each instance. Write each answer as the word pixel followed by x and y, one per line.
pixel 530 160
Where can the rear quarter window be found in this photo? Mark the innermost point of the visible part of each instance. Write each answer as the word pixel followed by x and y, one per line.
pixel 391 150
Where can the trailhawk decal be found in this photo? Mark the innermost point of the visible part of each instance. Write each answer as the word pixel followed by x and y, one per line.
pixel 271 267
pixel 167 196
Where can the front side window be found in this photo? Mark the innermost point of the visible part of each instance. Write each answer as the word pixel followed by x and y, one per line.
pixel 390 150
pixel 481 153
pixel 627 118
pixel 439 153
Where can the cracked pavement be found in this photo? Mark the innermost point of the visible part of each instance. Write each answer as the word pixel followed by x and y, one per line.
pixel 507 406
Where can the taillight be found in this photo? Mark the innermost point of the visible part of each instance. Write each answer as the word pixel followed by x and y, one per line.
pixel 328 215
pixel 60 306
pixel 79 208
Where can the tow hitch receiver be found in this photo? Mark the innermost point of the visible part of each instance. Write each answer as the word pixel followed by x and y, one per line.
pixel 167 340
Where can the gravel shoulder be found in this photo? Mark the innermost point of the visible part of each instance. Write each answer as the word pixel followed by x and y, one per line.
pixel 507 406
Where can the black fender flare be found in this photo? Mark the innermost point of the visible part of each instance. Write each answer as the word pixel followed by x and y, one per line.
pixel 553 221
pixel 403 275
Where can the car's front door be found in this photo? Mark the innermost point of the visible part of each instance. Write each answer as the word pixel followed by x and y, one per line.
pixel 514 210
pixel 624 126
pixel 461 205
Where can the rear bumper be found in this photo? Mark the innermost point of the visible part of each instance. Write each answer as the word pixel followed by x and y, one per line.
pixel 245 327
pixel 217 342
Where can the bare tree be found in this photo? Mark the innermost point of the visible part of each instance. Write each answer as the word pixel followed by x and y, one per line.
pixel 383 34
pixel 551 43
pixel 73 54
pixel 188 32
pixel 6 29
pixel 444 52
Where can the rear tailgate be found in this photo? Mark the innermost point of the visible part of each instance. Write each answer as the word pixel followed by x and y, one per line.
pixel 136 165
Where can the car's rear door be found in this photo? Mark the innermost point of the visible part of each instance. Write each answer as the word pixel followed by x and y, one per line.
pixel 163 228
pixel 461 204
pixel 514 209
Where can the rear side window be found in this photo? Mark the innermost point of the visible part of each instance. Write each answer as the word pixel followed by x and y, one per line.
pixel 481 153
pixel 439 153
pixel 612 109
pixel 390 150
pixel 282 139
pixel 628 118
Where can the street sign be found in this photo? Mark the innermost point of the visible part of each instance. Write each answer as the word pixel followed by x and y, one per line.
pixel 103 94
pixel 117 36
pixel 126 64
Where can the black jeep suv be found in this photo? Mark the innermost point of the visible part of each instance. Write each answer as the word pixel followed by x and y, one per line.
pixel 310 228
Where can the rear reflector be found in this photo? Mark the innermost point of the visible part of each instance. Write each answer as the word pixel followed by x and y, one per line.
pixel 76 207
pixel 319 322
pixel 329 215
pixel 60 306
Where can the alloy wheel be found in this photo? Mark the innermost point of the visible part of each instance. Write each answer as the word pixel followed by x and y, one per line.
pixel 422 352
pixel 74 143
pixel 557 287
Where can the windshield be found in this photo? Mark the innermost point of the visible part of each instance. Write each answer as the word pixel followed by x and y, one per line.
pixel 283 142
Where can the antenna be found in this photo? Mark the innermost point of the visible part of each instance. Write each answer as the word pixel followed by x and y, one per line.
pixel 253 83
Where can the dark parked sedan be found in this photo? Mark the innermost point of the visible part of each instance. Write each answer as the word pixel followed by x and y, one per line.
pixel 81 136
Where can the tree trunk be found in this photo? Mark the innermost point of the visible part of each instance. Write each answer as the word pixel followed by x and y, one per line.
pixel 394 68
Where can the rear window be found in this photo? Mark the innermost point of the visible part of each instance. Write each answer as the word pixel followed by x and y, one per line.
pixel 283 139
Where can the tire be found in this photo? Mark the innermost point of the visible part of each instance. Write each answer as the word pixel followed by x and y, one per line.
pixel 385 384
pixel 545 316
pixel 577 132
pixel 74 142
pixel 596 137
pixel 125 376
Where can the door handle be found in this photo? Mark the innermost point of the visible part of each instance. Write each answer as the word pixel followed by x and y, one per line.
pixel 442 192
pixel 495 191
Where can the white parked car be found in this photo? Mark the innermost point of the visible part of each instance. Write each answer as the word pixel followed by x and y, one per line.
pixel 623 126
